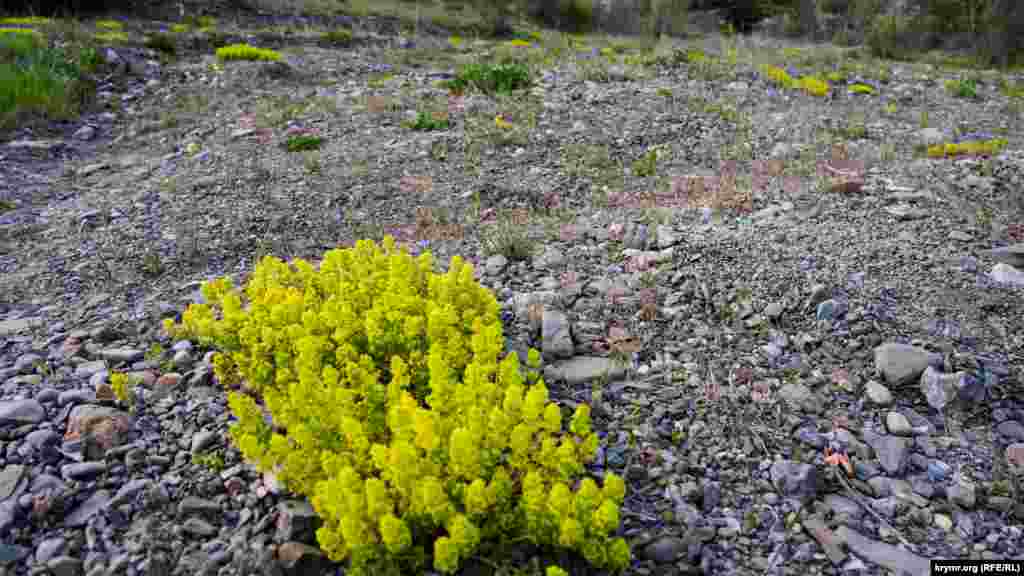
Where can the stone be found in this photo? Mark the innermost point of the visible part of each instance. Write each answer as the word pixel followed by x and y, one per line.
pixel 584 369
pixel 556 335
pixel 877 393
pixel 1010 255
pixel 664 550
pixel 793 479
pixel 897 424
pixel 296 521
pixel 298 559
pixel 900 363
pixel 18 412
pixel 898 560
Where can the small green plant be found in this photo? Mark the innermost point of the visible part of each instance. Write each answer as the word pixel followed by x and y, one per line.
pixel 664 92
pixel 814 86
pixel 967 148
pixel 861 89
pixel 210 460
pixel 338 37
pixel 247 52
pixel 112 37
pixel 180 28
pixel 26 21
pixel 123 384
pixel 647 164
pixel 109 25
pixel 36 77
pixel 508 239
pixel 155 353
pixel 7 206
pixel 429 121
pixel 492 79
pixel 963 88
pixel 303 142
pixel 924 119
pixel 162 42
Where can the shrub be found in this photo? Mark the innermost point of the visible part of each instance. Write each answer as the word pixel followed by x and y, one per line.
pixel 339 37
pixel 246 52
pixel 109 25
pixel 162 42
pixel 968 148
pixel 391 411
pixel 111 37
pixel 429 121
pixel 492 79
pixel 38 78
pixel 963 88
pixel 303 142
pixel 814 86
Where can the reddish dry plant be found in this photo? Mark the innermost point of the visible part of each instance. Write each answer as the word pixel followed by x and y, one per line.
pixel 535 314
pixel 378 104
pixel 616 232
pixel 416 184
pixel 568 278
pixel 568 233
pixel 712 390
pixel 648 304
pixel 1015 232
pixel 761 392
pixel 456 105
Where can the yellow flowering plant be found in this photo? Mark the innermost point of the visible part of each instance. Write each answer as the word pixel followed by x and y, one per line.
pixel 393 410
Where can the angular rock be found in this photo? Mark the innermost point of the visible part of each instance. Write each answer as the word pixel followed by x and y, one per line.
pixel 900 363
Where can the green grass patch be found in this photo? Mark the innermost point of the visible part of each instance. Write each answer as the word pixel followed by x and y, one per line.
pixel 109 25
pixel 492 79
pixel 303 143
pixel 38 79
pixel 429 121
pixel 29 21
pixel 111 37
pixel 247 52
pixel 338 37
pixel 162 42
pixel 963 88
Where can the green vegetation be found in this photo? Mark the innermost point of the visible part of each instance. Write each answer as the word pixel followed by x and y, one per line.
pixel 492 79
pixel 39 79
pixel 303 142
pixel 247 52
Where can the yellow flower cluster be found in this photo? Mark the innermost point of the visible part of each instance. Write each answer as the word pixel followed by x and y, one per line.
pixel 394 412
pixel 969 148
pixel 811 84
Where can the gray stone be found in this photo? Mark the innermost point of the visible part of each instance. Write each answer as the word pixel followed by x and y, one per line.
pixel 86 510
pixel 878 393
pixel 12 481
pixel 896 423
pixel 65 566
pixel 900 363
pixel 556 335
pixel 122 355
pixel 495 265
pixel 1011 255
pixel 891 451
pixel 583 369
pixel 891 557
pixel 664 550
pixel 19 412
pixel 296 521
pixel 793 479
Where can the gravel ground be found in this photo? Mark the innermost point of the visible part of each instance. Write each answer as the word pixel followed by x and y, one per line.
pixel 727 353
